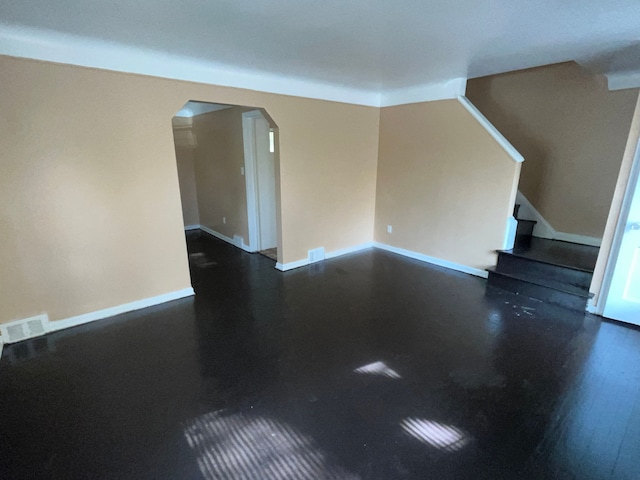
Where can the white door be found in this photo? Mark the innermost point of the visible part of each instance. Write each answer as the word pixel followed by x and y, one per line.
pixel 260 176
pixel 266 185
pixel 623 300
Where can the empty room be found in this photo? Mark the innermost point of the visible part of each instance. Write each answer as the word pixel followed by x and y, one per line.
pixel 330 240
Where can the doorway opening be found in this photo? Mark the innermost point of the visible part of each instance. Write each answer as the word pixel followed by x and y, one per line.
pixel 260 173
pixel 228 169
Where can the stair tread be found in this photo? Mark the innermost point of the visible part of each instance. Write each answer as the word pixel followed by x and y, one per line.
pixel 555 252
pixel 528 221
pixel 548 262
pixel 545 282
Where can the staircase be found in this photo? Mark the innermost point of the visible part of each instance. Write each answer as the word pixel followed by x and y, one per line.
pixel 551 271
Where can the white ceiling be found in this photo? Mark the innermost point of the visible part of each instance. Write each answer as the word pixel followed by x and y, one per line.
pixel 358 50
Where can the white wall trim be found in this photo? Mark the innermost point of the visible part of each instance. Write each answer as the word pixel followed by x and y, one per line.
pixel 51 46
pixel 335 253
pixel 400 251
pixel 510 233
pixel 236 241
pixel 424 93
pixel 491 130
pixel 112 311
pixel 283 267
pixel 217 235
pixel 46 45
pixel 1 345
pixel 433 260
pixel 348 250
pixel 623 80
pixel 57 325
pixel 250 175
pixel 543 228
pixel 192 227
pixel 581 239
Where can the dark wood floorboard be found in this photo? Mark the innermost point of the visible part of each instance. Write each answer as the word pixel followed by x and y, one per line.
pixel 369 366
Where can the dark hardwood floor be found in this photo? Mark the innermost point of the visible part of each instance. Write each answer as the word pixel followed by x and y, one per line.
pixel 370 366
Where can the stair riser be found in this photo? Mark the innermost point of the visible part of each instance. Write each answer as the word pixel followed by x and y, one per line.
pixel 544 294
pixel 514 265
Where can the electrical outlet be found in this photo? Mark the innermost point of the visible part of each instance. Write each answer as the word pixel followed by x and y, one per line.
pixel 241 170
pixel 389 229
pixel 224 220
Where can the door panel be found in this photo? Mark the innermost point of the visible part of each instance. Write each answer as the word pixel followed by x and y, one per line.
pixel 623 300
pixel 266 181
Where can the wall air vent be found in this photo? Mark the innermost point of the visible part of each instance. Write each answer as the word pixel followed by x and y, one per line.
pixel 24 329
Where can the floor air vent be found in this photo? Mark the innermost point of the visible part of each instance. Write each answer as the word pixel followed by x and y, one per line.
pixel 23 329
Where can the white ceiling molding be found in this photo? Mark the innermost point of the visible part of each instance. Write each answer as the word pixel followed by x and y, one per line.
pixel 623 80
pixel 84 52
pixel 424 93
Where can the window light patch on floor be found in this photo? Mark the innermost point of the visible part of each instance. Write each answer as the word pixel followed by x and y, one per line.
pixel 240 446
pixel 434 434
pixel 378 368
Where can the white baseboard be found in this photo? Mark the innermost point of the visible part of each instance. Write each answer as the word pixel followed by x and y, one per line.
pixel 336 253
pixel 581 239
pixel 192 227
pixel 400 251
pixel 283 267
pixel 56 325
pixel 435 261
pixel 543 229
pixel 217 235
pixel 236 241
pixel 348 250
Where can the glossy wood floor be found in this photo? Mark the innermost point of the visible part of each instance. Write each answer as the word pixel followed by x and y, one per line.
pixel 370 366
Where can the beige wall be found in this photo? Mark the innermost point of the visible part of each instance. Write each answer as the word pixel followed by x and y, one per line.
pixel 184 142
pixel 188 192
pixel 218 159
pixel 90 213
pixel 444 184
pixel 616 206
pixel 571 131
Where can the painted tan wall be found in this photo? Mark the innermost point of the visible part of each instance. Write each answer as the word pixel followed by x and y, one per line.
pixel 444 184
pixel 184 142
pixel 90 212
pixel 616 207
pixel 571 131
pixel 218 159
pixel 188 192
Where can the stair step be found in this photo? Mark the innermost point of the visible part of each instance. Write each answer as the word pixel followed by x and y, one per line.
pixel 546 290
pixel 521 266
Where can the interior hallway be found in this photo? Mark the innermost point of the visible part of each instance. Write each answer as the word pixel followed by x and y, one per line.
pixel 370 366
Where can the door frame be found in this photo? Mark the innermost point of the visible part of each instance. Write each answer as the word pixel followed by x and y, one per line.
pixel 250 174
pixel 251 179
pixel 631 189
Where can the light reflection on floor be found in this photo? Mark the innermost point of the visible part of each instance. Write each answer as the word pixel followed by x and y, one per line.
pixel 437 435
pixel 378 368
pixel 239 446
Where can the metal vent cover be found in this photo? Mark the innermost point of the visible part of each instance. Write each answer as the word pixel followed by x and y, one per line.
pixel 24 329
